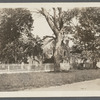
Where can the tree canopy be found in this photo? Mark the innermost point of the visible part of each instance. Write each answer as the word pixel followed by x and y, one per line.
pixel 13 23
pixel 87 33
pixel 16 40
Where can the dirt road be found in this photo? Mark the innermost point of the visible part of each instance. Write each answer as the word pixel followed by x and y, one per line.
pixel 92 85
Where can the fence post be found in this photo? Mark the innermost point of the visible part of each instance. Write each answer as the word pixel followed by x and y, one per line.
pixel 8 67
pixel 29 67
pixel 45 67
pixel 22 65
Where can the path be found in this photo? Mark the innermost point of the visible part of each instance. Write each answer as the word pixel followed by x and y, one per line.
pixel 86 88
pixel 92 85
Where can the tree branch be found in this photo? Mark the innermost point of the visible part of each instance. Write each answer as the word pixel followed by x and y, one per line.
pixel 48 19
pixel 60 18
pixel 55 19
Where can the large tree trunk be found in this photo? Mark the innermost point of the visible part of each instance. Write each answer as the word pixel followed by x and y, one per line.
pixel 58 53
pixel 56 24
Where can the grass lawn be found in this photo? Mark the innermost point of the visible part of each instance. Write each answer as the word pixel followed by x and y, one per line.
pixel 21 81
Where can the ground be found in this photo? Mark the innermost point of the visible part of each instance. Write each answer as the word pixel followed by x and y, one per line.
pixel 18 81
pixel 92 85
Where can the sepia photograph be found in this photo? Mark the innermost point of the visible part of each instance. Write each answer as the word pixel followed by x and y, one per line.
pixel 50 47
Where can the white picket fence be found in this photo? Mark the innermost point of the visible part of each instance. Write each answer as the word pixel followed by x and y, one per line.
pixel 32 67
pixel 27 67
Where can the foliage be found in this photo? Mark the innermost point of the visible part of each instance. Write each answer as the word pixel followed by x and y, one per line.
pixel 16 39
pixel 13 23
pixel 18 51
pixel 33 47
pixel 60 24
pixel 87 35
pixel 13 52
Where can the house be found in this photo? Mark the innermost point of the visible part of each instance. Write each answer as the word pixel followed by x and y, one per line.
pixel 47 46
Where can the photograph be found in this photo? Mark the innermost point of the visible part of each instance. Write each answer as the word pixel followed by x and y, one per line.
pixel 49 49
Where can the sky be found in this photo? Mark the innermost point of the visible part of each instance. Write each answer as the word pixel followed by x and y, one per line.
pixel 41 27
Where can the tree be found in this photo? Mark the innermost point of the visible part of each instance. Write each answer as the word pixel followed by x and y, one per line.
pixel 88 33
pixel 33 47
pixel 57 24
pixel 13 52
pixel 15 24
